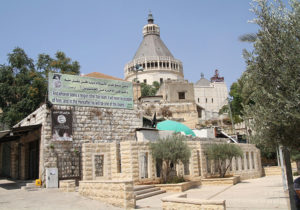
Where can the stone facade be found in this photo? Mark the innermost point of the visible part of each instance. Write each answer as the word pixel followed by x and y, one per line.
pixel 184 112
pixel 211 96
pixel 67 186
pixel 176 91
pixel 90 124
pixel 133 160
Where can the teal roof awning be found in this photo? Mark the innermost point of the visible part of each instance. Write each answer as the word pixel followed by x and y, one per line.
pixel 177 127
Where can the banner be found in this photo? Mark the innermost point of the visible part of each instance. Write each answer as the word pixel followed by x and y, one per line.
pixel 62 121
pixel 65 89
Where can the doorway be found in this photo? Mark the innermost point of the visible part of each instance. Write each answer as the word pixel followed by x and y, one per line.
pixel 33 160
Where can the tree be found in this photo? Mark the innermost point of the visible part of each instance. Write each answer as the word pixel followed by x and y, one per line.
pixel 172 149
pixel 23 84
pixel 62 64
pixel 22 88
pixel 223 154
pixel 273 71
pixel 150 90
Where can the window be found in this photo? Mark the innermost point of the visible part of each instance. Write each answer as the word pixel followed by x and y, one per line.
pixel 206 100
pixel 236 164
pixel 247 159
pixel 252 158
pixel 212 100
pixel 181 95
pixel 198 100
pixel 98 165
pixel 119 166
pixel 161 80
pixel 199 163
pixel 145 81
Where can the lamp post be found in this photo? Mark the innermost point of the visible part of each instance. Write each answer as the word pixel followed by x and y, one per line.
pixel 137 68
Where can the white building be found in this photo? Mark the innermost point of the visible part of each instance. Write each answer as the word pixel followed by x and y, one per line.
pixel 211 95
pixel 159 65
pixel 153 55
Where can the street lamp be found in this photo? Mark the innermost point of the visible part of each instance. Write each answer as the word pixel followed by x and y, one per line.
pixel 137 68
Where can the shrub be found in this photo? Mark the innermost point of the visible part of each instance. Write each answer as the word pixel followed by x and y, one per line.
pixel 171 149
pixel 221 153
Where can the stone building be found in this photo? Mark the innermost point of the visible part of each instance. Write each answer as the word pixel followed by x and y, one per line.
pixel 159 65
pixel 211 95
pixel 154 57
pixel 175 101
pixel 29 147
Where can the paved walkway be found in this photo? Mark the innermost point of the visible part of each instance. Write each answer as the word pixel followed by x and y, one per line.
pixel 263 193
pixel 258 194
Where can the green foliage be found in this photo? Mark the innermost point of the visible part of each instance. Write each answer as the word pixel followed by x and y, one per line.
pixel 62 64
pixel 272 75
pixel 23 85
pixel 150 90
pixel 221 153
pixel 295 155
pixel 175 179
pixel 172 149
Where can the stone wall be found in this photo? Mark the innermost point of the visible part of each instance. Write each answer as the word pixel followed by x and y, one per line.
pixel 90 125
pixel 133 160
pixel 184 111
pixel 170 90
pixel 117 193
pixel 180 201
pixel 245 168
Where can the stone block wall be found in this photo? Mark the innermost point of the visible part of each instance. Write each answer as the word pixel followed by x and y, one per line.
pixel 90 125
pixel 180 110
pixel 117 193
pixel 245 168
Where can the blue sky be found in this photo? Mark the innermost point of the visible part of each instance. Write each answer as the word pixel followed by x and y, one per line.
pixel 103 35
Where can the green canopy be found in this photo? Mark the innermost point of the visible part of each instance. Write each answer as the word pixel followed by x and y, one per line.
pixel 170 125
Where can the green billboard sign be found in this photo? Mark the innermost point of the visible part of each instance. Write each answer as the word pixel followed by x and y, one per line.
pixel 65 89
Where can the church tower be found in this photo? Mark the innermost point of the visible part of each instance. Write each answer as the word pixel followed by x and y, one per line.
pixel 154 58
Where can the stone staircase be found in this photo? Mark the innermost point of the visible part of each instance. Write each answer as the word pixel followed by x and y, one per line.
pixel 272 171
pixel 145 191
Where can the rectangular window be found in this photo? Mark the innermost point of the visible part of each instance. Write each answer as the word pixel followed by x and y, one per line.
pixel 119 167
pixel 212 100
pixel 236 164
pixel 252 158
pixel 161 80
pixel 143 165
pixel 186 168
pixel 199 164
pixel 208 165
pixel 247 159
pixel 98 164
pixel 243 162
pixel 181 95
pixel 145 81
pixel 206 100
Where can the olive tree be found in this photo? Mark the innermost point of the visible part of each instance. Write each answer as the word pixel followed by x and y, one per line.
pixel 221 153
pixel 172 149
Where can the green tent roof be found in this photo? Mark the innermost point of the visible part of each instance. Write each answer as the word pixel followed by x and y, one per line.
pixel 170 125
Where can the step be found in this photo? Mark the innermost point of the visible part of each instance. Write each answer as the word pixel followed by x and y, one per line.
pixel 139 192
pixel 146 195
pixel 142 187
